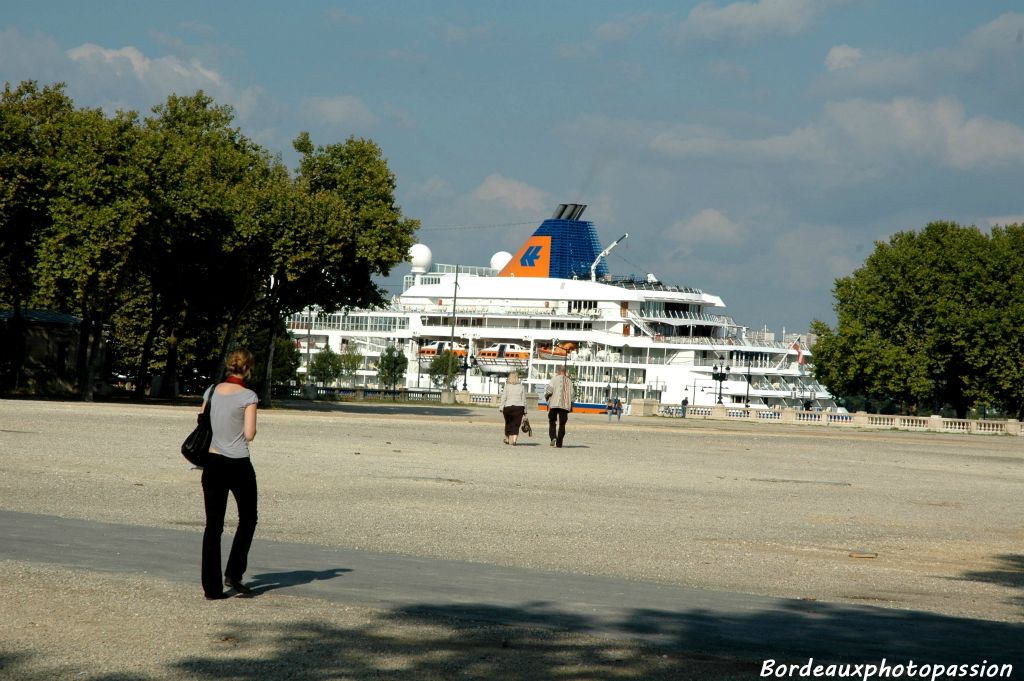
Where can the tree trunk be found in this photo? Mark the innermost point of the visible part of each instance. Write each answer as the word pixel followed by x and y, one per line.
pixel 94 363
pixel 142 374
pixel 16 344
pixel 268 383
pixel 169 383
pixel 82 359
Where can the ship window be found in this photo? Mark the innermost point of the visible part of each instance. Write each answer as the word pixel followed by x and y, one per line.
pixel 582 305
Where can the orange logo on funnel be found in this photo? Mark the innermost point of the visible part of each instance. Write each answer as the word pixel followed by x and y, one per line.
pixel 532 260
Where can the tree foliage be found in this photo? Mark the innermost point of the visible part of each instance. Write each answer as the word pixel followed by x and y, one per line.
pixel 351 362
pixel 31 122
pixel 326 366
pixel 444 369
pixel 391 367
pixel 932 318
pixel 176 237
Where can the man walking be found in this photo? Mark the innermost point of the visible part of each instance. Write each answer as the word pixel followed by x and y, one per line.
pixel 559 397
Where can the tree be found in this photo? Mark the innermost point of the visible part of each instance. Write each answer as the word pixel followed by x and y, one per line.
pixel 30 130
pixel 99 203
pixel 998 346
pixel 915 321
pixel 329 234
pixel 351 362
pixel 444 369
pixel 391 367
pixel 378 237
pixel 200 168
pixel 326 366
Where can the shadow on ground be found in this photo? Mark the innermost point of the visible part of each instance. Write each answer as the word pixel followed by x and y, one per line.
pixel 537 641
pixel 1009 572
pixel 268 581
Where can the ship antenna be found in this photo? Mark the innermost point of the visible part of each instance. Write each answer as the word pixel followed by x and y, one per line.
pixel 593 266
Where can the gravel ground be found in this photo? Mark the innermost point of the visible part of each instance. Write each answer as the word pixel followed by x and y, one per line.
pixel 918 521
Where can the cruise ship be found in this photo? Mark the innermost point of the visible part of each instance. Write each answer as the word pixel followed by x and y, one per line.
pixel 554 303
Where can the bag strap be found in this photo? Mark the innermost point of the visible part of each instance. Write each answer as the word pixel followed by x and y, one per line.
pixel 206 409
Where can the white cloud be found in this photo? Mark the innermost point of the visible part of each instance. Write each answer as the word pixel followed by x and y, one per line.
pixel 343 18
pixel 991 53
pixel 853 139
pixel 575 50
pixel 511 193
pixel 1005 220
pixel 709 226
pixel 700 142
pixel 24 57
pixel 842 57
pixel 724 69
pixel 126 78
pixel 454 33
pixel 937 130
pixel 130 63
pixel 345 111
pixel 749 20
pixel 625 28
pixel 434 187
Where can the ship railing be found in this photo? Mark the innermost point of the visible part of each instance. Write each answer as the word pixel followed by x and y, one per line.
pixel 731 342
pixel 660 314
pixel 641 324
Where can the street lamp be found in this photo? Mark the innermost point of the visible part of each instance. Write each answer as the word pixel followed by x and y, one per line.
pixel 720 377
pixel 465 369
pixel 747 403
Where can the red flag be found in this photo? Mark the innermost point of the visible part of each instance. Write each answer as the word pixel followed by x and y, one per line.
pixel 799 351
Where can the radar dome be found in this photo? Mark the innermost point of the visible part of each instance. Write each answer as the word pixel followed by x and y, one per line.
pixel 500 259
pixel 421 258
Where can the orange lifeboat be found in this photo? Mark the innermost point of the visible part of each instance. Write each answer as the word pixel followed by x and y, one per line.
pixel 436 348
pixel 560 351
pixel 503 358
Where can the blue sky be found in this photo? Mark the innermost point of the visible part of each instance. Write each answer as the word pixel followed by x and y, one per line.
pixel 756 149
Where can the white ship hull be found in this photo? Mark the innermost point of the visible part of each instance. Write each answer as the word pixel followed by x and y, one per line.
pixel 633 338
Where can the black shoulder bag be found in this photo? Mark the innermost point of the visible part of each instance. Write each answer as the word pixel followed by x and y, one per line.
pixel 196 446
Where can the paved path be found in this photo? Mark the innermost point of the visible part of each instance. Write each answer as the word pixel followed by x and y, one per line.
pixel 683 618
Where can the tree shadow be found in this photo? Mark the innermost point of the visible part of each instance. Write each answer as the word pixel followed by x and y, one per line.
pixel 268 581
pixel 539 641
pixel 1009 573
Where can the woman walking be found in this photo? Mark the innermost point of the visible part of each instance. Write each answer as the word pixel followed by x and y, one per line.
pixel 513 407
pixel 228 469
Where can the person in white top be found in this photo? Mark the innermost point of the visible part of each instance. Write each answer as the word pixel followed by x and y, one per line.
pixel 513 407
pixel 228 469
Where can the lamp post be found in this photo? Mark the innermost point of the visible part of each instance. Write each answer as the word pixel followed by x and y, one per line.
pixel 720 377
pixel 747 403
pixel 465 369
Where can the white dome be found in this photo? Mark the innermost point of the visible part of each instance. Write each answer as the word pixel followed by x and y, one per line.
pixel 421 257
pixel 500 259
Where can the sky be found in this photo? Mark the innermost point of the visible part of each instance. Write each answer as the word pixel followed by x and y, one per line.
pixel 756 150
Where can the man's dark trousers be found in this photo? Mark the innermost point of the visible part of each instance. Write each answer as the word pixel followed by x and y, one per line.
pixel 556 424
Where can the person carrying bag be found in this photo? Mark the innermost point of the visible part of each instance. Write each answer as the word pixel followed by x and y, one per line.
pixel 228 469
pixel 512 406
